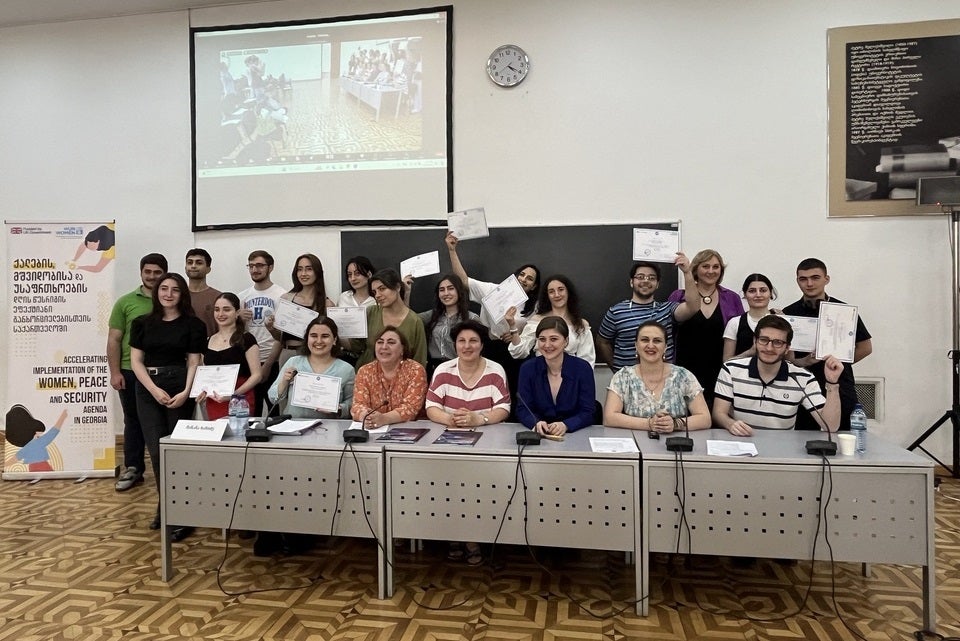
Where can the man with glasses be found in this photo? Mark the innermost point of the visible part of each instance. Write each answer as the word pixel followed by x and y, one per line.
pixel 765 391
pixel 258 302
pixel 812 278
pixel 617 335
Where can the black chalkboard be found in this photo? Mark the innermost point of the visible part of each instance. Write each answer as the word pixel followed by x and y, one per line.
pixel 596 258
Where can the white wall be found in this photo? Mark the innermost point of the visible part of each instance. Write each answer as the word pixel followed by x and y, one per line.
pixel 709 112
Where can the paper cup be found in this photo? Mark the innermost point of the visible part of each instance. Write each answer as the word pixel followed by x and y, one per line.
pixel 848 444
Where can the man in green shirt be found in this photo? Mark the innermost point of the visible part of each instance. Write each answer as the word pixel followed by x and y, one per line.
pixel 128 307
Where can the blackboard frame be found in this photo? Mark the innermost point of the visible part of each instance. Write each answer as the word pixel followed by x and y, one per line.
pixel 597 258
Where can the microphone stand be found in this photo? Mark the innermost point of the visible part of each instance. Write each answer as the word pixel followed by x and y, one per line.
pixel 817 446
pixel 953 413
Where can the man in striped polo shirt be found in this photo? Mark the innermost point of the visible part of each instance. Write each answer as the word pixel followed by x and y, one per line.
pixel 617 335
pixel 764 391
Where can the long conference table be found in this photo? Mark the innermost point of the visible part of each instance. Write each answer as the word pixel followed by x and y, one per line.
pixel 562 494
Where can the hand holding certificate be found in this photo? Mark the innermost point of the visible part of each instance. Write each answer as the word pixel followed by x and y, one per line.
pixel 837 331
pixel 467 224
pixel 422 265
pixel 506 295
pixel 351 321
pixel 292 318
pixel 316 392
pixel 215 381
pixel 656 245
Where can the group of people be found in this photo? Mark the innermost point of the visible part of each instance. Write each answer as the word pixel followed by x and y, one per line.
pixel 691 362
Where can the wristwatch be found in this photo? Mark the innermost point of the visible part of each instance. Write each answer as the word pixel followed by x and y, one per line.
pixel 486 419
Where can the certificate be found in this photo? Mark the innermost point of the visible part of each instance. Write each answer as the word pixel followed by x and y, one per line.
pixel 316 392
pixel 504 296
pixel 837 331
pixel 215 379
pixel 804 333
pixel 467 224
pixel 351 321
pixel 656 245
pixel 292 318
pixel 423 265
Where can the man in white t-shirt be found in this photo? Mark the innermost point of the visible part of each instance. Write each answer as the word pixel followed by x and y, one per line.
pixel 259 302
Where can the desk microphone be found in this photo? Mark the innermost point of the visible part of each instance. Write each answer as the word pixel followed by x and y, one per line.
pixel 818 447
pixel 259 433
pixel 680 443
pixel 528 437
pixel 361 435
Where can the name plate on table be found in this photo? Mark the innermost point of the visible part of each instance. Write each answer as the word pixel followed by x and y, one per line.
pixel 200 430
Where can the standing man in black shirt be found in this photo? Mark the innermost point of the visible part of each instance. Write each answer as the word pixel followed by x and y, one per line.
pixel 812 278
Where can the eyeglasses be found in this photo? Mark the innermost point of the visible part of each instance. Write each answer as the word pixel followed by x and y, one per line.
pixel 644 277
pixel 257 265
pixel 766 340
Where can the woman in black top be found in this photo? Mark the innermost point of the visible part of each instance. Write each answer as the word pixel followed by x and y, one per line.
pixel 165 348
pixel 231 345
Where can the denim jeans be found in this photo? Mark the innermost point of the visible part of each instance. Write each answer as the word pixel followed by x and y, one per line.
pixel 157 420
pixel 132 432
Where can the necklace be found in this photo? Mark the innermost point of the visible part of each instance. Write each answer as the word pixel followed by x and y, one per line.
pixel 658 384
pixel 709 297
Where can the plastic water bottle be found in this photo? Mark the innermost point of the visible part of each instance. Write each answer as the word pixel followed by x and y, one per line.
pixel 858 427
pixel 239 414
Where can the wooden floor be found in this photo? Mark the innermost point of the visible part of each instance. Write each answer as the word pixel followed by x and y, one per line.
pixel 77 561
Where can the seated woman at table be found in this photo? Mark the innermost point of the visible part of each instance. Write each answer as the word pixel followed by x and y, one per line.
pixel 738 338
pixel 390 310
pixel 468 391
pixel 390 389
pixel 317 355
pixel 557 298
pixel 557 392
pixel 231 345
pixel 652 393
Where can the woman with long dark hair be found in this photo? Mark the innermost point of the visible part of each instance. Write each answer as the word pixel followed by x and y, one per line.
pixel 557 298
pixel 450 306
pixel 231 345
pixel 308 291
pixel 165 349
pixel 390 310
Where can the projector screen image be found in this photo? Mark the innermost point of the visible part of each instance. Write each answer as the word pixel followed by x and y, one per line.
pixel 341 121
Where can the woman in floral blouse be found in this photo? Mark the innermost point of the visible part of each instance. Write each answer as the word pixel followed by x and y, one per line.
pixel 391 389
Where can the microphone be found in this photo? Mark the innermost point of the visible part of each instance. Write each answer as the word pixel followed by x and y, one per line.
pixel 528 437
pixel 680 443
pixel 259 432
pixel 276 420
pixel 362 435
pixel 819 447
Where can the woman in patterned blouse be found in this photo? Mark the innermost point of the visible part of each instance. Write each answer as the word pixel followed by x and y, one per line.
pixel 652 393
pixel 391 389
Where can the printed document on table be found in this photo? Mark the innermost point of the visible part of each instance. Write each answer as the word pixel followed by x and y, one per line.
pixel 612 445
pixel 215 379
pixel 506 295
pixel 294 426
pixel 292 318
pixel 351 321
pixel 423 265
pixel 804 333
pixel 655 245
pixel 468 224
pixel 316 392
pixel 837 331
pixel 731 448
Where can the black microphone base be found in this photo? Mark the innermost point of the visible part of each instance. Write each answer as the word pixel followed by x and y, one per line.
pixel 258 435
pixel 528 438
pixel 355 436
pixel 822 448
pixel 679 444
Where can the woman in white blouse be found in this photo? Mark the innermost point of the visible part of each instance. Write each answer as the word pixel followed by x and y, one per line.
pixel 557 298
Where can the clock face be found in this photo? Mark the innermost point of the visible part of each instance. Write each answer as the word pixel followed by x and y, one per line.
pixel 508 65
